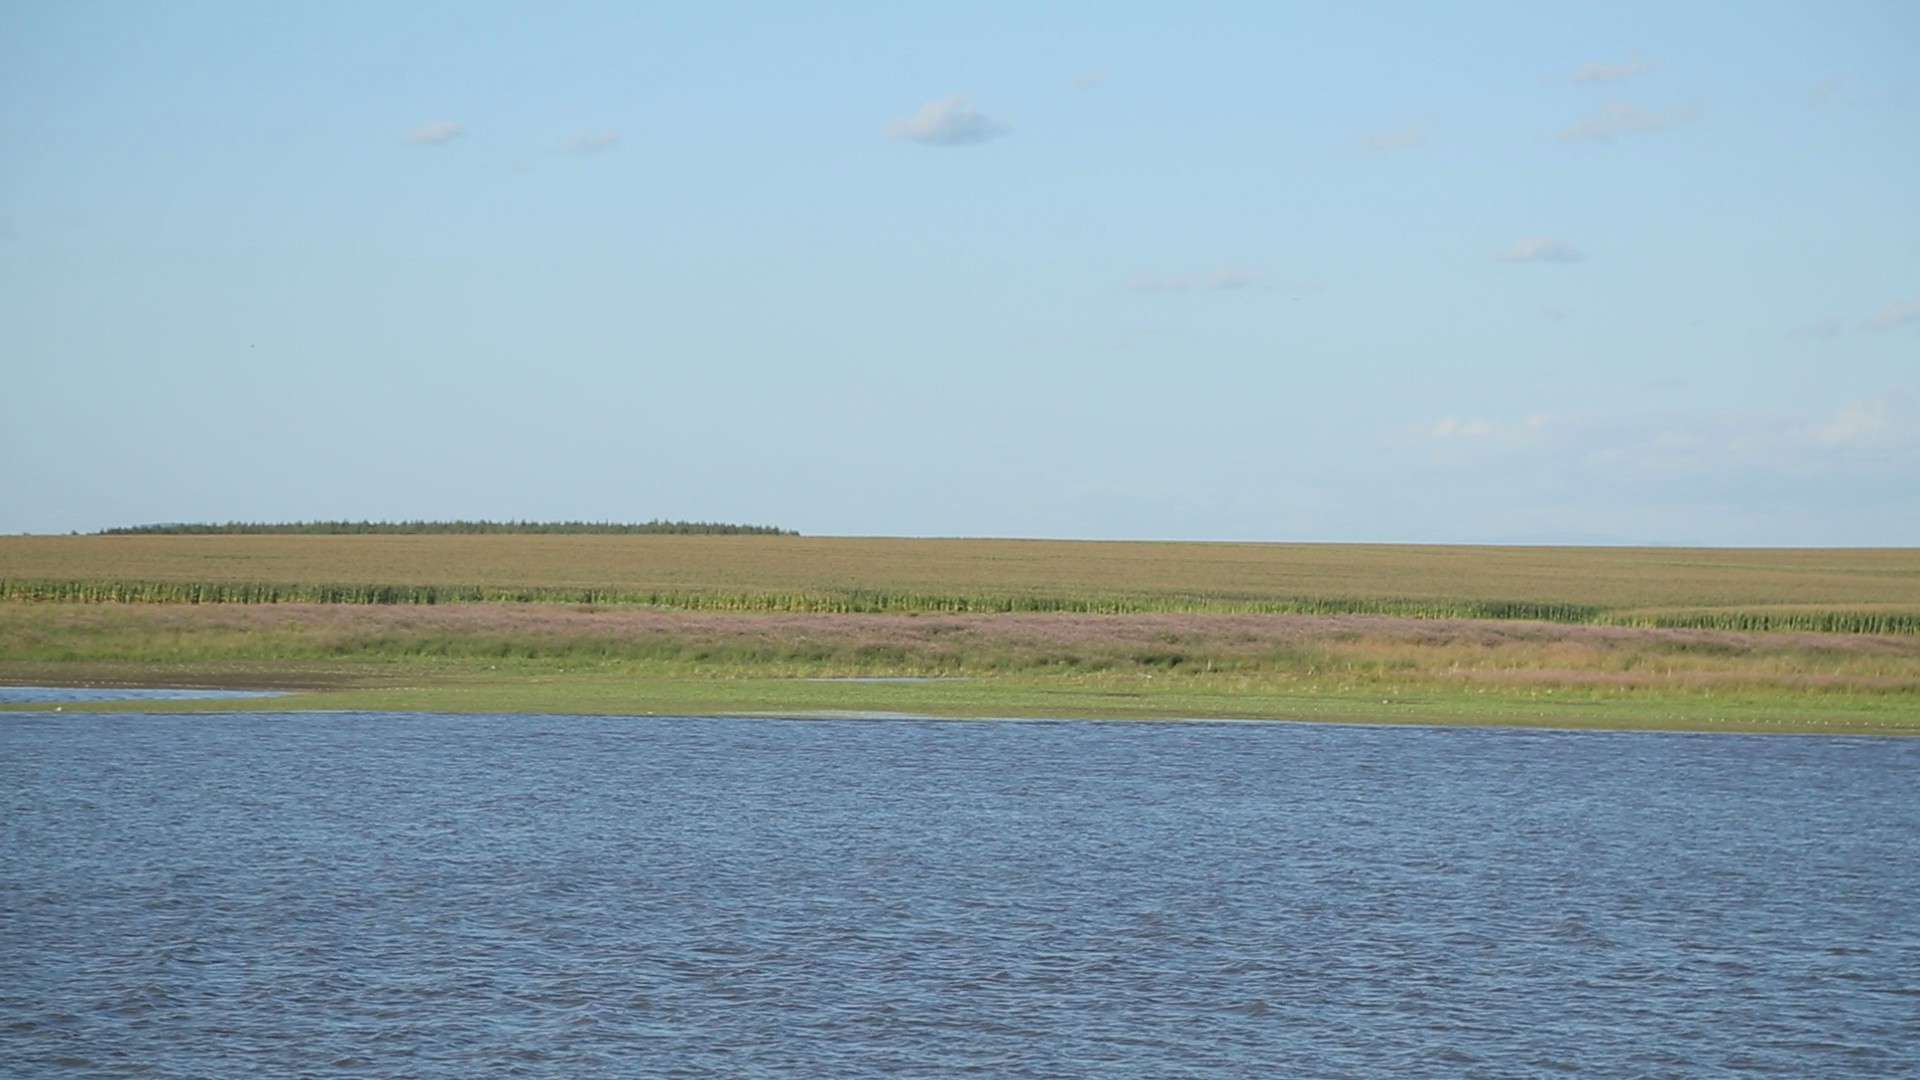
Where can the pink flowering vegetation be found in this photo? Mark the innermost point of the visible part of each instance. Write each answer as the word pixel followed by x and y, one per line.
pixel 1306 652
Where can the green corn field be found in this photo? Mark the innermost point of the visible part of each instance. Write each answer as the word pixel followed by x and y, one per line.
pixel 1846 591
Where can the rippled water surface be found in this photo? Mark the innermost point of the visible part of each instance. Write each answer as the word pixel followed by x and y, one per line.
pixel 403 895
pixel 50 694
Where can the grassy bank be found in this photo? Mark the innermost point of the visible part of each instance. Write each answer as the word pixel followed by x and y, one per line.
pixel 604 689
pixel 1714 639
pixel 549 658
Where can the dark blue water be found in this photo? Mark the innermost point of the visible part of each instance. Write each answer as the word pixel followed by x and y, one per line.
pixel 13 695
pixel 404 895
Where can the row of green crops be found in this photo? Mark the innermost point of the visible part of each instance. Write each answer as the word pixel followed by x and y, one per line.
pixel 1835 620
pixel 1824 622
pixel 857 601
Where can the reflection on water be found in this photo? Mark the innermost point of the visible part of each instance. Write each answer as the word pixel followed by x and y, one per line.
pixel 406 895
pixel 33 694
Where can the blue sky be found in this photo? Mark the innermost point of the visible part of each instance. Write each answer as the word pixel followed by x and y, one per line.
pixel 1517 272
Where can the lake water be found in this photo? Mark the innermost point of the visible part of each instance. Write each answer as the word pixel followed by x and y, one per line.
pixel 18 695
pixel 402 895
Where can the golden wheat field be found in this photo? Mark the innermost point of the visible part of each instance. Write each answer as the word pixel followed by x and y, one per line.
pixel 1831 588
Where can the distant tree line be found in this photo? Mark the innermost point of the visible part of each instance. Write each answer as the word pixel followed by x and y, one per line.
pixel 423 528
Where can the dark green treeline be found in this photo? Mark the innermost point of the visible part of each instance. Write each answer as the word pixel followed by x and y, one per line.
pixel 442 528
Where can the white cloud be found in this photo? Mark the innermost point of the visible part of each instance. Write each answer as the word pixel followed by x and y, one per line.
pixel 438 133
pixel 1894 315
pixel 947 121
pixel 1817 330
pixel 1542 249
pixel 1232 277
pixel 1863 423
pixel 1833 474
pixel 1601 72
pixel 1382 143
pixel 1452 427
pixel 1623 117
pixel 586 142
pixel 1226 278
pixel 1869 436
pixel 1552 312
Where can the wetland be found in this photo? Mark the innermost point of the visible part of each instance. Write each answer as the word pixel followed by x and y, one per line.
pixel 1729 639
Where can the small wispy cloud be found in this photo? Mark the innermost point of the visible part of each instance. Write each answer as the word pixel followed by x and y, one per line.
pixel 1817 330
pixel 1803 442
pixel 1855 456
pixel 1597 71
pixel 1623 117
pixel 1552 312
pixel 1894 315
pixel 1863 423
pixel 1541 249
pixel 438 133
pixel 588 142
pixel 1382 143
pixel 1088 81
pixel 947 121
pixel 1225 279
pixel 1452 427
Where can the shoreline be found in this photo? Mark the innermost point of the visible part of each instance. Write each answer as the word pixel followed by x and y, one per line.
pixel 1371 668
pixel 1695 639
pixel 534 687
